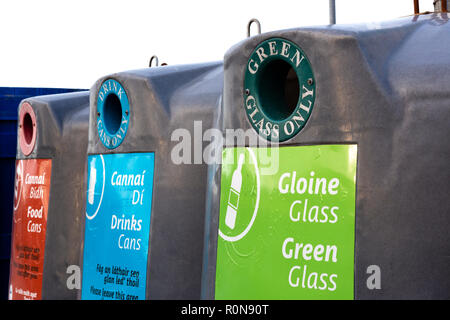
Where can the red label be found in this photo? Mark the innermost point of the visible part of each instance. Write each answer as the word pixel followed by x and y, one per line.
pixel 31 195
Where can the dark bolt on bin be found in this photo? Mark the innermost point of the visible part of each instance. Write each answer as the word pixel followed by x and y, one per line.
pixel 145 209
pixel 355 202
pixel 49 197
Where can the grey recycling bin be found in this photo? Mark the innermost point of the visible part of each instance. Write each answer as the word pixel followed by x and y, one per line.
pixel 146 185
pixel 343 190
pixel 10 98
pixel 49 197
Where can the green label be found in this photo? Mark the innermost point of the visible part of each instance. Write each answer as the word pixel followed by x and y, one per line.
pixel 287 232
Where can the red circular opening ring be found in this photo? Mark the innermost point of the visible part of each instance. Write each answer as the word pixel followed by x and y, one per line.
pixel 27 128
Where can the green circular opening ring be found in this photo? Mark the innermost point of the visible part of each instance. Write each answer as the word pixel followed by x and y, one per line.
pixel 279 89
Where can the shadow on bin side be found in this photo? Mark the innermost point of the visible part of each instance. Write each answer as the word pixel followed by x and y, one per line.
pixel 379 89
pixel 148 231
pixel 49 195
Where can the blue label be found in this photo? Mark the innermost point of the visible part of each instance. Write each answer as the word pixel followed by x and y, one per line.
pixel 118 210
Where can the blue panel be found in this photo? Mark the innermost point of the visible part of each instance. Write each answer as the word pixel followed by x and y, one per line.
pixel 118 210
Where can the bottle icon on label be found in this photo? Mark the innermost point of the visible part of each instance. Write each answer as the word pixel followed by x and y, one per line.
pixel 18 184
pixel 92 181
pixel 233 197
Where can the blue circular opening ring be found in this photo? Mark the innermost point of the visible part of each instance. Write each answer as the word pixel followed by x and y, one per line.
pixel 113 113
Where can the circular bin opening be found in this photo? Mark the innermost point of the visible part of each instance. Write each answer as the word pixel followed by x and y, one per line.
pixel 278 89
pixel 27 128
pixel 112 113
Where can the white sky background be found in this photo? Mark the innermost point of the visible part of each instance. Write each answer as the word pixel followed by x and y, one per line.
pixel 70 44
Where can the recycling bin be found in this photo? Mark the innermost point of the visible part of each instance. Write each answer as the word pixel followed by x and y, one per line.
pixel 341 188
pixel 146 182
pixel 10 98
pixel 49 197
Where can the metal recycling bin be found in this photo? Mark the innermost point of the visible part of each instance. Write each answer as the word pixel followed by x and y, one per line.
pixel 145 197
pixel 10 98
pixel 49 197
pixel 354 202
